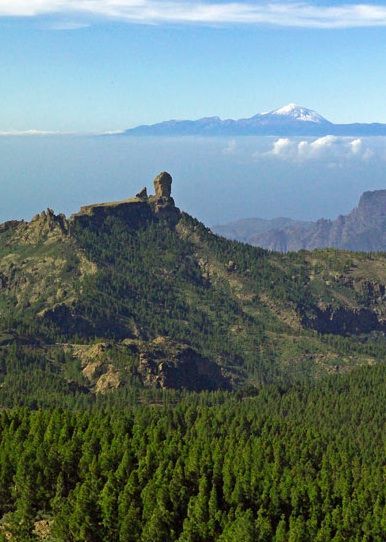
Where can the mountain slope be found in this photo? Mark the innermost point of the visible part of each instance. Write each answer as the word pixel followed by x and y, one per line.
pixel 364 229
pixel 126 274
pixel 290 120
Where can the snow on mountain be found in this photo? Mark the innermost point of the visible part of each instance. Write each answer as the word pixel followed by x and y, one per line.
pixel 289 120
pixel 298 113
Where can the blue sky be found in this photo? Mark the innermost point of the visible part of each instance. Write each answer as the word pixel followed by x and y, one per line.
pixel 95 65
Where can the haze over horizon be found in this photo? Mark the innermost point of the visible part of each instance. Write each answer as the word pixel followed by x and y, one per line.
pixel 215 179
pixel 287 113
pixel 84 67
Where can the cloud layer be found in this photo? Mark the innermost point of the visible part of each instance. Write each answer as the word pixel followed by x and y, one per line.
pixel 327 147
pixel 278 13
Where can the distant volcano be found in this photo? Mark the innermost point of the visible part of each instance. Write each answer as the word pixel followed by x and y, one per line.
pixel 290 120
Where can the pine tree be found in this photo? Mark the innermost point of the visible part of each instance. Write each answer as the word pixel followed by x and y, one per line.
pixel 108 503
pixel 241 529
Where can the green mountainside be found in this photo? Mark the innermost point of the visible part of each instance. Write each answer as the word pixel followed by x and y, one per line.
pixel 111 319
pixel 136 294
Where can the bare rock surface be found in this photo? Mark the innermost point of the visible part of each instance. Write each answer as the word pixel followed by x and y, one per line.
pixel 163 185
pixel 167 364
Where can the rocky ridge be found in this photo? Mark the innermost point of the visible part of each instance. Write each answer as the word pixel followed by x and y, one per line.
pixel 364 229
pixel 138 293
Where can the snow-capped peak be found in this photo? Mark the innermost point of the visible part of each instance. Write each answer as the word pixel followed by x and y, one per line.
pixel 297 112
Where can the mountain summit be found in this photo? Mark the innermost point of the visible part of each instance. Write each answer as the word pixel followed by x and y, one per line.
pixel 289 120
pixel 297 113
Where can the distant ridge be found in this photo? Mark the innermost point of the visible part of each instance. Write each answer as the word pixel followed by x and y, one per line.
pixel 364 229
pixel 246 229
pixel 289 120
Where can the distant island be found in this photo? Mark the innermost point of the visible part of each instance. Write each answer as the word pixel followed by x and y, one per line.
pixel 364 229
pixel 290 120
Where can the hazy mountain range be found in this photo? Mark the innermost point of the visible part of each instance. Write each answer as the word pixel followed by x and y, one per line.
pixel 247 230
pixel 290 120
pixel 364 229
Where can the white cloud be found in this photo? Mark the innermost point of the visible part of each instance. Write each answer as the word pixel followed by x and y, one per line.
pixel 321 146
pixel 279 13
pixel 327 147
pixel 281 146
pixel 356 145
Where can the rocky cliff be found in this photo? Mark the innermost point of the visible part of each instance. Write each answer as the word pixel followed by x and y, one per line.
pixel 364 229
pixel 135 211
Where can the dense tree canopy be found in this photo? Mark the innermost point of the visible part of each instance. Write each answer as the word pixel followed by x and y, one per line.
pixel 301 465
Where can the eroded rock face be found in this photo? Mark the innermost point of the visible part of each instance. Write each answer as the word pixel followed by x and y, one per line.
pixel 343 321
pixel 96 367
pixel 108 381
pixel 135 212
pixel 142 194
pixel 44 227
pixel 162 203
pixel 364 229
pixel 163 185
pixel 10 225
pixel 161 363
pixel 166 364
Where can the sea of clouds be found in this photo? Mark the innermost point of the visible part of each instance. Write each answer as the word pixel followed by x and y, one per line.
pixel 329 148
pixel 215 179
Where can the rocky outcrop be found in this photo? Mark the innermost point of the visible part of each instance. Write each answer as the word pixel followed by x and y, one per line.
pixel 10 225
pixel 142 194
pixel 44 227
pixel 163 185
pixel 163 363
pixel 109 380
pixel 160 363
pixel 97 368
pixel 162 203
pixel 343 320
pixel 135 212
